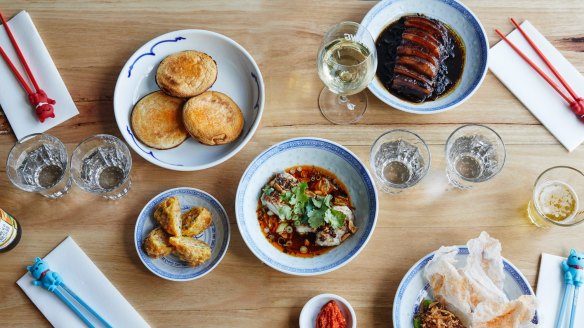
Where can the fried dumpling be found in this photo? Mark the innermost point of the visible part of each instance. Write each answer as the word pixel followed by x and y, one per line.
pixel 167 214
pixel 195 221
pixel 156 244
pixel 194 252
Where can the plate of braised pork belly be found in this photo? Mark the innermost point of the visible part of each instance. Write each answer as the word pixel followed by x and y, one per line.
pixel 432 54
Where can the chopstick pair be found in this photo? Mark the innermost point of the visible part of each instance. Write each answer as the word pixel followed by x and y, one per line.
pixel 53 282
pixel 42 104
pixel 576 102
pixel 573 269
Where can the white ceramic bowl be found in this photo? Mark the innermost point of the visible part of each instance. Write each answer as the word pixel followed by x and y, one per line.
pixel 306 151
pixel 238 76
pixel 217 235
pixel 414 288
pixel 312 308
pixel 463 21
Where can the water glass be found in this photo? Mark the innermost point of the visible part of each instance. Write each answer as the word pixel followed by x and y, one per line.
pixel 474 153
pixel 39 163
pixel 555 198
pixel 399 159
pixel 101 165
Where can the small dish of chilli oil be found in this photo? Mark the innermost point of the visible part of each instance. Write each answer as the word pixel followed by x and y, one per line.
pixel 305 211
pixel 420 58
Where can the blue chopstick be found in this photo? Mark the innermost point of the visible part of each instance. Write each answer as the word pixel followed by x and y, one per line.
pixel 573 269
pixel 51 281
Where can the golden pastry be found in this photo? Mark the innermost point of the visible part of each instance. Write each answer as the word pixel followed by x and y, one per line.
pixel 157 121
pixel 167 214
pixel 195 221
pixel 156 244
pixel 213 118
pixel 193 251
pixel 186 74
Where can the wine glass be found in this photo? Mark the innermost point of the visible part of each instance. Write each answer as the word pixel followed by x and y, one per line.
pixel 347 61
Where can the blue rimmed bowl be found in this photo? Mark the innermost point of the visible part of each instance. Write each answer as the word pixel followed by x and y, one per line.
pixel 307 151
pixel 217 235
pixel 238 76
pixel 414 288
pixel 457 16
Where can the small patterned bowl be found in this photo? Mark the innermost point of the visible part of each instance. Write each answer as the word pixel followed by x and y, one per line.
pixel 457 16
pixel 217 235
pixel 307 151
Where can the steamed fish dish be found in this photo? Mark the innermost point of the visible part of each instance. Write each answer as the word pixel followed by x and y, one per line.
pixel 474 293
pixel 305 211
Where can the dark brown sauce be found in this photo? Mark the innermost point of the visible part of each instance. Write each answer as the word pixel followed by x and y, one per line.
pixel 451 64
pixel 290 243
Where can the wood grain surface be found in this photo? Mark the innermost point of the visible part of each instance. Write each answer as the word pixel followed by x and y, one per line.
pixel 90 42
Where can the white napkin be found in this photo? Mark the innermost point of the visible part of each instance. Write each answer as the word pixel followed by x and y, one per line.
pixel 550 290
pixel 84 278
pixel 13 98
pixel 533 91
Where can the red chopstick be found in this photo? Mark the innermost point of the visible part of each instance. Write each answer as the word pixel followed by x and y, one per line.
pixel 42 104
pixel 576 102
pixel 18 52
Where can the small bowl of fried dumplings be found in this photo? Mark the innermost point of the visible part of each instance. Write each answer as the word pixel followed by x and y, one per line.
pixel 182 234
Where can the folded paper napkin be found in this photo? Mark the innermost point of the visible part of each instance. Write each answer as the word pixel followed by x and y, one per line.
pixel 84 278
pixel 533 91
pixel 13 98
pixel 550 290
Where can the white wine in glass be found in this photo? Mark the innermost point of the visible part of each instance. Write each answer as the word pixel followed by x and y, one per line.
pixel 347 61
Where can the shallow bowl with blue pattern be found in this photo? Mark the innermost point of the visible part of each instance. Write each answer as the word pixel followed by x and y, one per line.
pixel 307 151
pixel 457 16
pixel 414 288
pixel 238 76
pixel 217 235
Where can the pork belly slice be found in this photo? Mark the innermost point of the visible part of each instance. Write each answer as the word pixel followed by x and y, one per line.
pixel 411 49
pixel 411 88
pixel 431 47
pixel 436 29
pixel 423 34
pixel 403 70
pixel 419 65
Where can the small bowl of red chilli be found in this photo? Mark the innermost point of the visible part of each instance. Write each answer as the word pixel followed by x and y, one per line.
pixel 327 310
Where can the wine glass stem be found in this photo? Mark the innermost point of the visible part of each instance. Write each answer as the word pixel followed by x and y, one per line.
pixel 343 100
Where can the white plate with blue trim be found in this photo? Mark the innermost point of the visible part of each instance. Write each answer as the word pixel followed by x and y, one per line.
pixel 414 288
pixel 238 76
pixel 217 235
pixel 307 151
pixel 457 16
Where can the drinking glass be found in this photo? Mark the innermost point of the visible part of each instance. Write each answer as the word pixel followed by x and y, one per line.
pixel 555 198
pixel 399 159
pixel 474 153
pixel 101 165
pixel 346 61
pixel 39 163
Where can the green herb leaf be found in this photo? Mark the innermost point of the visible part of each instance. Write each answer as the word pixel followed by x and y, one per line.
pixel 286 197
pixel 327 200
pixel 285 212
pixel 334 218
pixel 317 201
pixel 316 217
pixel 300 198
pixel 267 190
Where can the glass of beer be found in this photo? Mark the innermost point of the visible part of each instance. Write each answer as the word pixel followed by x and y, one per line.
pixel 555 199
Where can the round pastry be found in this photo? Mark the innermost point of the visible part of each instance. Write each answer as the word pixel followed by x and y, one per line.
pixel 213 118
pixel 186 74
pixel 157 121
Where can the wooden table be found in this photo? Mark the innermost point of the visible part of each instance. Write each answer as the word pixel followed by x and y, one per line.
pixel 91 41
